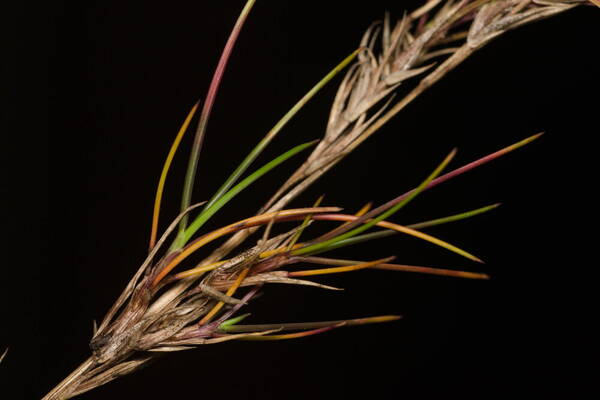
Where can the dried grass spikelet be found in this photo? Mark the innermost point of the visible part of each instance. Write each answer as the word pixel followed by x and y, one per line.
pixel 162 310
pixel 452 34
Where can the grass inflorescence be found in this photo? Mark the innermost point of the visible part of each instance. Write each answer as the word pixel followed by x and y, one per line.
pixel 171 304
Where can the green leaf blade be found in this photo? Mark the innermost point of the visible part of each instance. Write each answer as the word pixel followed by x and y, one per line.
pixel 209 212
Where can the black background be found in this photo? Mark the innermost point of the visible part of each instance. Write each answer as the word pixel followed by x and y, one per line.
pixel 113 81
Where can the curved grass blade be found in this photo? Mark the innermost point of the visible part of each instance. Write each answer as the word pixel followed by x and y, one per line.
pixel 209 212
pixel 443 178
pixel 263 338
pixel 396 227
pixel 477 163
pixel 296 326
pixel 257 220
pixel 346 268
pixel 295 245
pixel 357 239
pixel 433 271
pixel 398 267
pixel 383 215
pixel 204 116
pixel 277 128
pixel 165 171
pixel 421 225
pixel 453 218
